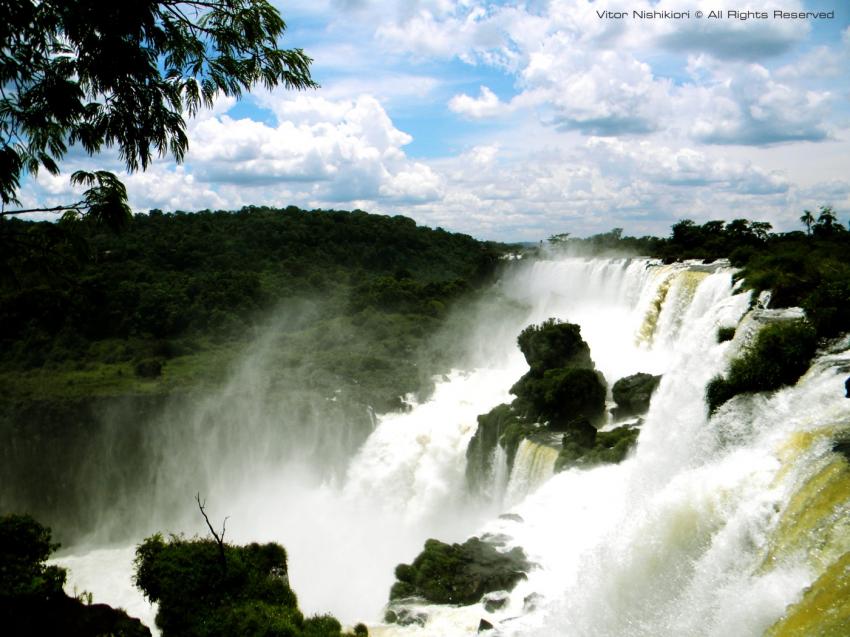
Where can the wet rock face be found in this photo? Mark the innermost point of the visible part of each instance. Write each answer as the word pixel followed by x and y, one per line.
pixel 632 394
pixel 479 453
pixel 459 573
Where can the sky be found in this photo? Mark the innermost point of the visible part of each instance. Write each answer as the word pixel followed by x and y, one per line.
pixel 518 120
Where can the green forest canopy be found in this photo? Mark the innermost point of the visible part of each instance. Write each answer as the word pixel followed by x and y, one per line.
pixel 108 311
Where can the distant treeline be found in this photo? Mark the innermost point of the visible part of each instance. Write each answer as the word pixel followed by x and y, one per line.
pixel 76 296
pixel 808 269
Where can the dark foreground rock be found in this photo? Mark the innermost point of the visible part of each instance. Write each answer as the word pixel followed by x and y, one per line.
pixel 63 615
pixel 459 573
pixel 32 602
pixel 633 393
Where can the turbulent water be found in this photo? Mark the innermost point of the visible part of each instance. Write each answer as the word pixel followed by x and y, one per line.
pixel 690 535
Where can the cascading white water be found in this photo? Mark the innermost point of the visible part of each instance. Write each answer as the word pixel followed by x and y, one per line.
pixel 673 540
pixel 661 544
pixel 534 464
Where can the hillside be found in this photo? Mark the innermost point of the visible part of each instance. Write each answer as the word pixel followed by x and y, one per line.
pixel 170 301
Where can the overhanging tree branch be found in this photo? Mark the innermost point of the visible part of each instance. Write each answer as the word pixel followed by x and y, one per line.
pixel 98 75
pixel 79 206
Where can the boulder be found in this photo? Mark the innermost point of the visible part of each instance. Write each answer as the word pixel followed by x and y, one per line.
pixel 632 394
pixel 404 616
pixel 459 573
pixel 495 601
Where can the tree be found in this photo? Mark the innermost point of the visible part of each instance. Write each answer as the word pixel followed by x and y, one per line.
pixel 761 229
pixel 807 218
pixel 100 75
pixel 827 220
pixel 25 547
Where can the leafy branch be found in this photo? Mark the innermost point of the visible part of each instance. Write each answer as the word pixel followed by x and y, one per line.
pixel 105 201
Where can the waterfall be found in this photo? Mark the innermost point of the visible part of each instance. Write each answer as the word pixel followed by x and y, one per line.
pixel 534 464
pixel 692 534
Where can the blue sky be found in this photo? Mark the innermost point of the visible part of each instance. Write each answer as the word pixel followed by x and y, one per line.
pixel 518 120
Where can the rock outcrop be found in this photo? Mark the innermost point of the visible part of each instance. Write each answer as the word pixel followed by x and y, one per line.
pixel 459 573
pixel 633 393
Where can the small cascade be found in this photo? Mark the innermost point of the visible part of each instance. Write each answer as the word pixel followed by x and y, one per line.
pixel 534 464
pixel 500 476
pixel 658 293
pixel 681 293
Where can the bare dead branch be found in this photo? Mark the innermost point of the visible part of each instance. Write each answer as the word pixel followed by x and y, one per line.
pixel 218 538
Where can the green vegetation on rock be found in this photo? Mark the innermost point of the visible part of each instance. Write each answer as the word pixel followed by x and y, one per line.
pixel 204 588
pixel 562 383
pixel 560 396
pixel 780 354
pixel 561 392
pixel 459 573
pixel 606 447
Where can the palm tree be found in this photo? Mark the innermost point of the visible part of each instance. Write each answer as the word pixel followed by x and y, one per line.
pixel 808 219
pixel 827 217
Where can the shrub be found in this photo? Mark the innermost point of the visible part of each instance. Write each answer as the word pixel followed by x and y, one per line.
pixel 24 548
pixel 553 344
pixel 780 354
pixel 32 601
pixel 459 573
pixel 200 594
pixel 561 395
pixel 608 447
